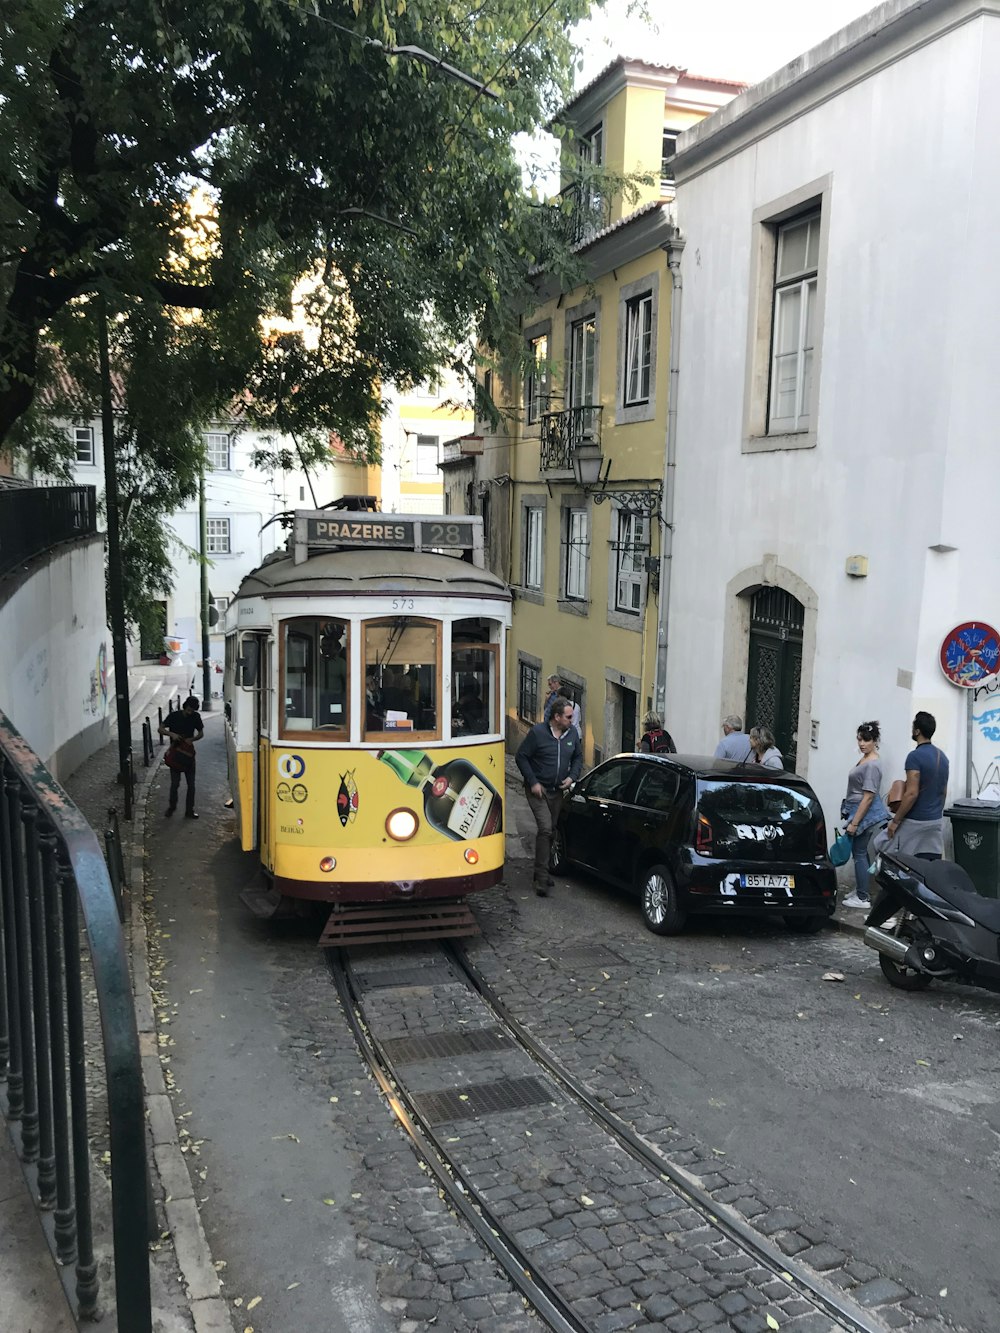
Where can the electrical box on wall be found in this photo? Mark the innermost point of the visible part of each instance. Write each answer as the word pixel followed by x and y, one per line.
pixel 857 566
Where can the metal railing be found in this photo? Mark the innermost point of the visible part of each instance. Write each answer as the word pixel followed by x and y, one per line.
pixel 585 212
pixel 562 433
pixel 148 750
pixel 56 900
pixel 35 518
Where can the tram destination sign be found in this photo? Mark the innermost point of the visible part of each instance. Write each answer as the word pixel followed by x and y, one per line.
pixel 326 531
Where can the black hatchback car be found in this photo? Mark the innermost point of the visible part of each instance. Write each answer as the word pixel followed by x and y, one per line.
pixel 690 834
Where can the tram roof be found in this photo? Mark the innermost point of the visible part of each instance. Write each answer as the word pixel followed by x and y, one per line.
pixel 372 571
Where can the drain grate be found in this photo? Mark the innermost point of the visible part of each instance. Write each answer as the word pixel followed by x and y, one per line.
pixel 584 955
pixel 405 976
pixel 509 1094
pixel 442 1045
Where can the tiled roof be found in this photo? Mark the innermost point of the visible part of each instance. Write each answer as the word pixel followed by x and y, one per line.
pixel 648 64
pixel 651 207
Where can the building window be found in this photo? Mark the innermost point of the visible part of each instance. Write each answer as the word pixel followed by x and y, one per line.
pixel 534 532
pixel 638 348
pixel 667 163
pixel 582 348
pixel 793 328
pixel 83 441
pixel 536 386
pixel 217 450
pixel 630 553
pixel 527 691
pixel 577 554
pixel 218 536
pixel 427 455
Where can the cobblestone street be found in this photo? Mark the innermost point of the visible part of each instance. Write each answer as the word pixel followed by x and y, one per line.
pixel 802 1105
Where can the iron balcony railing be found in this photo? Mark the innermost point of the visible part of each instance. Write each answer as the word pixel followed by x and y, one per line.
pixel 586 213
pixel 56 901
pixel 35 518
pixel 562 434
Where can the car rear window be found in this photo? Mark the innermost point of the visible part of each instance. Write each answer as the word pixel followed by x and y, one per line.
pixel 750 818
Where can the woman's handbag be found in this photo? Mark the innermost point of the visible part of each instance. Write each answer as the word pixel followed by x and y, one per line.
pixel 840 852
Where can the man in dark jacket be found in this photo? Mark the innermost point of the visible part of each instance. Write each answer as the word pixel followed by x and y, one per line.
pixel 549 758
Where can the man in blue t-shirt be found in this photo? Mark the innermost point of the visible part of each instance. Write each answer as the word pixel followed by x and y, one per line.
pixel 918 819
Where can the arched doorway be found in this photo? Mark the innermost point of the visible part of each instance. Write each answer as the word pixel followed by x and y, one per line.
pixel 774 667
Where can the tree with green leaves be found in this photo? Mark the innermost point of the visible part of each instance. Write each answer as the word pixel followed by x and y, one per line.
pixel 325 144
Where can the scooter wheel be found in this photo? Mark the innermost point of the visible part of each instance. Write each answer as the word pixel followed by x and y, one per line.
pixel 903 978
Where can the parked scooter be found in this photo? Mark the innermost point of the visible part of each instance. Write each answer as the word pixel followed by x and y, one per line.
pixel 943 927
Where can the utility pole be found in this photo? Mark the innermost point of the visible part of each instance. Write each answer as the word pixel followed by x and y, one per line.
pixel 116 592
pixel 206 666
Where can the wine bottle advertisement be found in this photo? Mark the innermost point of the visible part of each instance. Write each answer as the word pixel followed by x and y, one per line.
pixel 341 799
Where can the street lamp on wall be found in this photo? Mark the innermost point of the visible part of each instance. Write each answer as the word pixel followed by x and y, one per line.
pixel 591 473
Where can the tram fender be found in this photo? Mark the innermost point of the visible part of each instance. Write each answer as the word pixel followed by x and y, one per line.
pixel 267 904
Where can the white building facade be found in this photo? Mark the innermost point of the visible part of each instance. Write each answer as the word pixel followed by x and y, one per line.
pixel 836 497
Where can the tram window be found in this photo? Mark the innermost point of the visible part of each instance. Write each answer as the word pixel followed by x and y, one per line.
pixel 315 676
pixel 473 689
pixel 401 676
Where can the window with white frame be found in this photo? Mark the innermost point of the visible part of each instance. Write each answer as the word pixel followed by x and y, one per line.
pixel 582 350
pixel 793 327
pixel 427 455
pixel 638 348
pixel 577 543
pixel 667 164
pixel 217 444
pixel 83 441
pixel 536 387
pixel 630 553
pixel 534 530
pixel 221 605
pixel 217 536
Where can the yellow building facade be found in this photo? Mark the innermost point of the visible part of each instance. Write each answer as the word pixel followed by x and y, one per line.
pixel 574 483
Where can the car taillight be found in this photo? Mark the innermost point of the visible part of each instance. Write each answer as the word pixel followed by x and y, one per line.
pixel 703 837
pixel 820 839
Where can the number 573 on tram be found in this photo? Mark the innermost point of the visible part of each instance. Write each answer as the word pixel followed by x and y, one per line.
pixel 364 704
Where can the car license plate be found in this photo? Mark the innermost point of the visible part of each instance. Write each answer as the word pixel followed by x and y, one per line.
pixel 767 881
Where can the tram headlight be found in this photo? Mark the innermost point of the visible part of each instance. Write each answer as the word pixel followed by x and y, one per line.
pixel 401 824
pixel 472 856
pixel 327 864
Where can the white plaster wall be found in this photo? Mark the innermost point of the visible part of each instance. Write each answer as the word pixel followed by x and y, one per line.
pixel 55 651
pixel 909 396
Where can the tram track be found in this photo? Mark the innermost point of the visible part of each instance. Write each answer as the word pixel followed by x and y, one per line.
pixel 540 1289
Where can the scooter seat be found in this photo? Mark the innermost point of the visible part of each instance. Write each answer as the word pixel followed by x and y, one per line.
pixel 950 882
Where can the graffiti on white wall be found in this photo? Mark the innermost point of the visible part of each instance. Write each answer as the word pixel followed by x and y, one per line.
pixel 97 704
pixel 986 737
pixel 37 671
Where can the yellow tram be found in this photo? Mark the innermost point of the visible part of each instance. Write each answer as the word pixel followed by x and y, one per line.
pixel 364 706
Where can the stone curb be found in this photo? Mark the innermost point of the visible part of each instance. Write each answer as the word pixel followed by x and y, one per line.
pixel 207 1305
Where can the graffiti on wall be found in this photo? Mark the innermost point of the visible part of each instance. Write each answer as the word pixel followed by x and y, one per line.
pixel 37 671
pixel 97 704
pixel 986 737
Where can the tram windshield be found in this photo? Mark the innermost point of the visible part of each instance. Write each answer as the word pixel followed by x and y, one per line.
pixel 402 659
pixel 316 655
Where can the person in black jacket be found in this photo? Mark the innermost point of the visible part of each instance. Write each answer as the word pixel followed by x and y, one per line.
pixel 184 727
pixel 549 758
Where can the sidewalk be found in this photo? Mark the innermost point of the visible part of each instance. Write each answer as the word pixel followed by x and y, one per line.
pixel 33 1297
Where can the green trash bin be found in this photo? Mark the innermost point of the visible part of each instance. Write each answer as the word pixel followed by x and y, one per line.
pixel 976 826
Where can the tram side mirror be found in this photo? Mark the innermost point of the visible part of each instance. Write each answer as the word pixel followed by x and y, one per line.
pixel 248 665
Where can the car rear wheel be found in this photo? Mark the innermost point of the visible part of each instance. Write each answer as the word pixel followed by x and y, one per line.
pixel 805 925
pixel 661 911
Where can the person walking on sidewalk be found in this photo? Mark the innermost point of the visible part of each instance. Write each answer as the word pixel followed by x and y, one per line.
pixel 735 743
pixel 184 726
pixel 549 759
pixel 554 685
pixel 863 809
pixel 918 824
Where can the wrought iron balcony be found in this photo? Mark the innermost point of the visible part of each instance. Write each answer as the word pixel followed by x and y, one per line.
pixel 585 211
pixel 563 433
